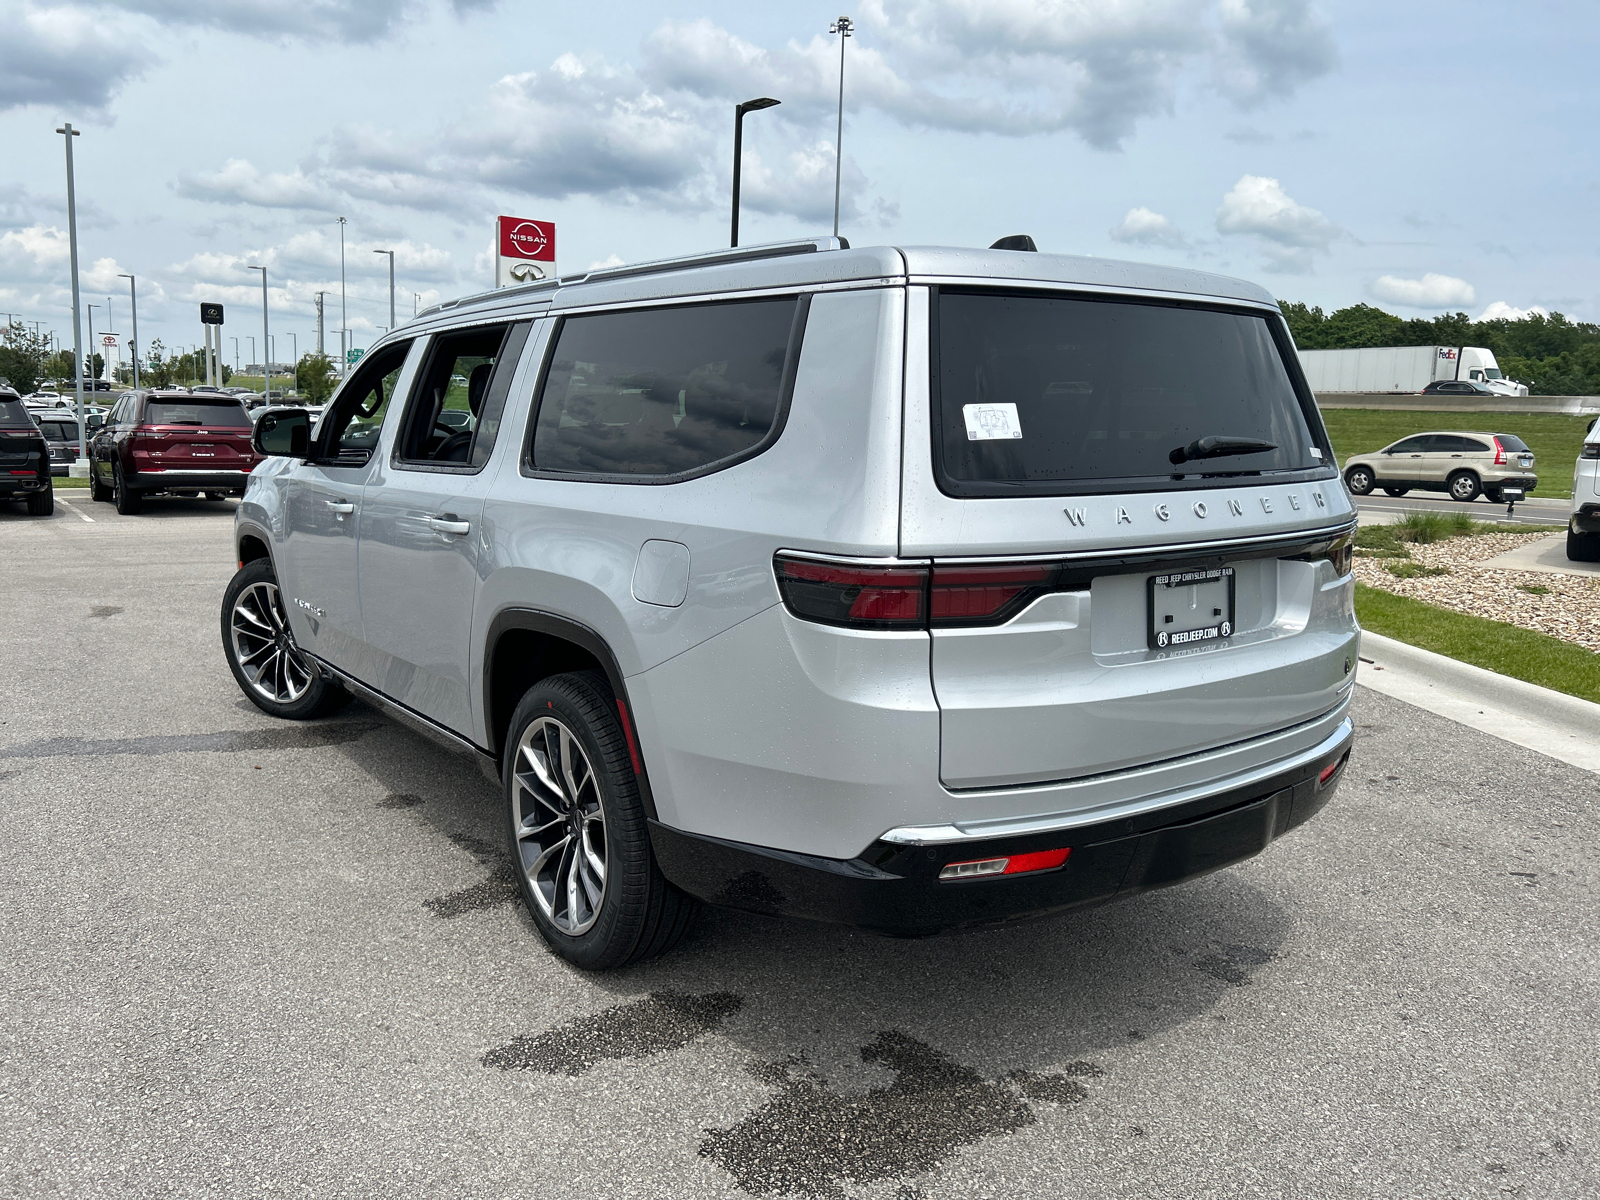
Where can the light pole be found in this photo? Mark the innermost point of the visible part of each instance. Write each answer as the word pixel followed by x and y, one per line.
pixel 68 132
pixel 252 342
pixel 320 295
pixel 235 355
pixel 416 302
pixel 294 345
pixel 133 346
pixel 843 27
pixel 739 111
pixel 91 308
pixel 390 253
pixel 342 317
pixel 266 340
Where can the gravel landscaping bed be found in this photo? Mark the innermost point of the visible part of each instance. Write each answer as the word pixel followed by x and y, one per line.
pixel 1563 606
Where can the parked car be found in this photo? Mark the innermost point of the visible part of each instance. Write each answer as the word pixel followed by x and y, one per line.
pixel 171 441
pixel 1458 387
pixel 24 458
pixel 1463 465
pixel 1583 524
pixel 61 439
pixel 792 580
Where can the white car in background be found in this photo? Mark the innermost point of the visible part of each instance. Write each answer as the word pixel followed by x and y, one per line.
pixel 1583 525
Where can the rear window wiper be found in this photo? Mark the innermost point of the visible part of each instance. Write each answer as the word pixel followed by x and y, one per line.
pixel 1218 446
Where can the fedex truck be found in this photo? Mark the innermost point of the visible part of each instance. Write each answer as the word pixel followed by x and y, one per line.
pixel 1404 369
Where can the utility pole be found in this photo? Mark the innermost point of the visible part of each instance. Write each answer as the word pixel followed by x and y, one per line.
pixel 390 253
pixel 739 111
pixel 343 316
pixel 68 132
pixel 133 346
pixel 320 295
pixel 843 27
pixel 266 340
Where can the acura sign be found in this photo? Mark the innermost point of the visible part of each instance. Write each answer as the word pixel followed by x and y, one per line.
pixel 525 251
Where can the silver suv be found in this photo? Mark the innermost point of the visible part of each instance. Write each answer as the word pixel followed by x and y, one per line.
pixel 1583 523
pixel 907 588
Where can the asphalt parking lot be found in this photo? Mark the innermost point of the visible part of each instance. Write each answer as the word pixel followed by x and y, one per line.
pixel 246 958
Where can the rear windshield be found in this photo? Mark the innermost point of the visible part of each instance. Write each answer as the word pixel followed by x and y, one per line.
pixel 1056 395
pixel 59 431
pixel 1513 443
pixel 200 410
pixel 14 416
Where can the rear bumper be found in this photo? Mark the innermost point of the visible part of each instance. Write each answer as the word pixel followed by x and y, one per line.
pixel 189 480
pixel 1527 482
pixel 19 485
pixel 894 887
pixel 1587 518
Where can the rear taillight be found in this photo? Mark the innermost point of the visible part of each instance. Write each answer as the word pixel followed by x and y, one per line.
pixel 861 597
pixel 983 595
pixel 1015 864
pixel 1592 450
pixel 1499 453
pixel 1340 552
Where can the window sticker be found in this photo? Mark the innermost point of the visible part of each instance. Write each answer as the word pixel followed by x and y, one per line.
pixel 991 422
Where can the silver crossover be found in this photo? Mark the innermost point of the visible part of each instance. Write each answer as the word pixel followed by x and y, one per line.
pixel 902 587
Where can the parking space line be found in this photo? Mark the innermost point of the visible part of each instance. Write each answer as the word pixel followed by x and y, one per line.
pixel 76 513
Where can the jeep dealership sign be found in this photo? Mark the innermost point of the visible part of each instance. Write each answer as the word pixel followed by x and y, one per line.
pixel 525 251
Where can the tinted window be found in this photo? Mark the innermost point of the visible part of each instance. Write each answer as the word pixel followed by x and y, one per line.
pixel 1054 394
pixel 1466 445
pixel 197 410
pixel 60 431
pixel 450 420
pixel 14 416
pixel 349 429
pixel 664 391
pixel 1513 443
pixel 1411 445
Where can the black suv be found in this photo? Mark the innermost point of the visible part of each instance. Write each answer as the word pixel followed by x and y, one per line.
pixel 24 458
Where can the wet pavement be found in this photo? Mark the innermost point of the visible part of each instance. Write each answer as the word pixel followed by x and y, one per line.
pixel 250 958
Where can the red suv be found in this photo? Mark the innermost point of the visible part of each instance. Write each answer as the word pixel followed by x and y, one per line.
pixel 174 441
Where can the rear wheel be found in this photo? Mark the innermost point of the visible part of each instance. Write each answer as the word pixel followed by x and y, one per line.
pixel 216 495
pixel 1494 495
pixel 1582 547
pixel 127 500
pixel 269 668
pixel 1396 491
pixel 97 490
pixel 1358 480
pixel 42 504
pixel 1463 486
pixel 578 832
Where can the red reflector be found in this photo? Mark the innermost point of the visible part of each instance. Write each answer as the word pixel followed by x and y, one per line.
pixel 1039 860
pixel 1329 771
pixel 627 732
pixel 24 472
pixel 968 593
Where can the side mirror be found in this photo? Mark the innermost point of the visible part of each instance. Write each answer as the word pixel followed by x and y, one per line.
pixel 282 432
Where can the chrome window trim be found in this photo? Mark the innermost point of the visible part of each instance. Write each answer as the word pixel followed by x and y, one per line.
pixel 1098 289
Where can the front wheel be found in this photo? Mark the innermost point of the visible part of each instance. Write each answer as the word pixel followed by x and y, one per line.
pixel 1395 492
pixel 1358 480
pixel 98 491
pixel 1464 486
pixel 1582 547
pixel 269 668
pixel 578 833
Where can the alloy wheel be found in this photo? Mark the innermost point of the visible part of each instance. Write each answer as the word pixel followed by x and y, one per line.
pixel 560 825
pixel 264 647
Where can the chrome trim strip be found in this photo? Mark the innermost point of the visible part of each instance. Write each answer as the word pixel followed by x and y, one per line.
pixel 185 471
pixel 938 835
pixel 426 726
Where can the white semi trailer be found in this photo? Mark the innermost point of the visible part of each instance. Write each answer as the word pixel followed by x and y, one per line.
pixel 1404 369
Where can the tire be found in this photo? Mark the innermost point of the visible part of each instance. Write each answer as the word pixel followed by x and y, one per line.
pixel 555 820
pixel 127 499
pixel 1582 547
pixel 268 667
pixel 42 504
pixel 1463 486
pixel 1396 492
pixel 1358 480
pixel 216 495
pixel 97 491
pixel 1494 495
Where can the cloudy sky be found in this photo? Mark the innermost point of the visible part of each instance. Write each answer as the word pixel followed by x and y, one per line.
pixel 1422 156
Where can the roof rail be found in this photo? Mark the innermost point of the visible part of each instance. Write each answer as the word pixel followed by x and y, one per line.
pixel 708 258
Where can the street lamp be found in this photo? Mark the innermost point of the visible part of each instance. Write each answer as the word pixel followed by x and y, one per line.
pixel 390 253
pixel 91 308
pixel 843 27
pixel 252 347
pixel 133 346
pixel 416 302
pixel 266 339
pixel 235 355
pixel 343 322
pixel 68 132
pixel 739 111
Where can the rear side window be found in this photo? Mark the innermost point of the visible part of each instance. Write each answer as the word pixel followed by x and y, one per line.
pixel 667 391
pixel 1058 395
pixel 1513 443
pixel 198 410
pixel 14 416
pixel 455 408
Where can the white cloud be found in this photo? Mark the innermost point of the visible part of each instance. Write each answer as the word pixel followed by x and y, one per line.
pixel 1288 233
pixel 1501 311
pixel 36 248
pixel 1270 47
pixel 240 182
pixel 1143 227
pixel 1431 291
pixel 610 260
pixel 67 55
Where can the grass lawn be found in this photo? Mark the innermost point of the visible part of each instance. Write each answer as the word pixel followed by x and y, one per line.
pixel 1554 439
pixel 1494 645
pixel 63 481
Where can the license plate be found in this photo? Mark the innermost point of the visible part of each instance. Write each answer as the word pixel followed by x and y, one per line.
pixel 1525 461
pixel 1512 493
pixel 1189 608
pixel 202 452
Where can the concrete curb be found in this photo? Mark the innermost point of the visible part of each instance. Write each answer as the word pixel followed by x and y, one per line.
pixel 1525 714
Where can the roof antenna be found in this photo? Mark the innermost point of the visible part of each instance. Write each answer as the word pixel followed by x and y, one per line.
pixel 1017 241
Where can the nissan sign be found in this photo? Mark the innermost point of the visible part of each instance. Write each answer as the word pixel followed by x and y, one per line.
pixel 525 251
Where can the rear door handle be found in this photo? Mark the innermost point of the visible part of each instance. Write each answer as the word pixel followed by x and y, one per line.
pixel 448 524
pixel 341 506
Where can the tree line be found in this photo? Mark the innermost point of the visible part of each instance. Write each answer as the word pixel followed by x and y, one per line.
pixel 1552 355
